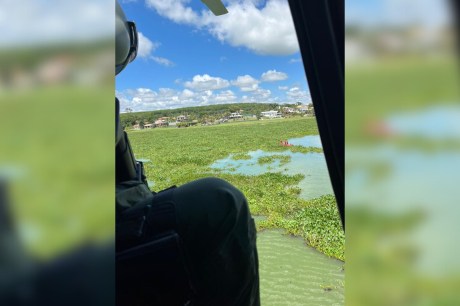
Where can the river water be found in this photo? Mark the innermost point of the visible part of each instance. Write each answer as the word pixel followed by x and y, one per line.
pixel 313 165
pixel 292 273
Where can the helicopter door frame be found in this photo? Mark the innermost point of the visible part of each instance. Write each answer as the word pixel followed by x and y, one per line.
pixel 320 32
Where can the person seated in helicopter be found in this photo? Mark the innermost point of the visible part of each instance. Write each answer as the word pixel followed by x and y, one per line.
pixel 189 245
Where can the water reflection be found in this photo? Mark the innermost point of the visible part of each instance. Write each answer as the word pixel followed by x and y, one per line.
pixel 312 165
pixel 307 141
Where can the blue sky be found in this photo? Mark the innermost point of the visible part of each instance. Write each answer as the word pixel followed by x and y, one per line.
pixel 188 57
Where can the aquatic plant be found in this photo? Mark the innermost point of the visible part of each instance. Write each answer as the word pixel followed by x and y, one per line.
pixel 181 155
pixel 284 159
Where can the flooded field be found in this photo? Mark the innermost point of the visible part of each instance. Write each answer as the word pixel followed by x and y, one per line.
pixel 312 165
pixel 276 180
pixel 292 273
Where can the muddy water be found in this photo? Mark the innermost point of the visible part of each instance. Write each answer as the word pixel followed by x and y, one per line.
pixel 292 273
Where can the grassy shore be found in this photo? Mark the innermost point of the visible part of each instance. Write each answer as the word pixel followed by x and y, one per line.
pixel 182 155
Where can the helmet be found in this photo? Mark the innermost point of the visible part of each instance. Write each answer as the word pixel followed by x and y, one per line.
pixel 126 40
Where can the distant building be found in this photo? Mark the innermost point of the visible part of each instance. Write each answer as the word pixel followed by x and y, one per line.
pixel 236 115
pixel 161 122
pixel 270 114
pixel 306 108
pixel 149 125
pixel 288 110
pixel 181 118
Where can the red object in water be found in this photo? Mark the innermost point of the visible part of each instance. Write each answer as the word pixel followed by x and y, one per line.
pixel 285 143
pixel 379 128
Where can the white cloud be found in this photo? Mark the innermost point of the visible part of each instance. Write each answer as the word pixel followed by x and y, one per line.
pixel 264 29
pixel 295 60
pixel 246 83
pixel 273 76
pixel 207 90
pixel 206 82
pixel 262 93
pixel 226 96
pixel 176 10
pixel 259 96
pixel 142 99
pixel 144 90
pixel 187 93
pixel 162 61
pixel 146 46
pixel 295 94
pixel 145 99
pixel 167 92
pixel 268 30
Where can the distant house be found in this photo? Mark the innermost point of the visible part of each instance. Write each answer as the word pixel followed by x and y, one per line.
pixel 55 70
pixel 236 115
pixel 149 126
pixel 306 109
pixel 288 110
pixel 161 122
pixel 270 114
pixel 302 108
pixel 181 118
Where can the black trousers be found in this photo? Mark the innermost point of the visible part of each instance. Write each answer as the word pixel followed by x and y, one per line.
pixel 217 237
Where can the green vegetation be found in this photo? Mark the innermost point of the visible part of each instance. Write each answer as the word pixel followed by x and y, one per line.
pixel 182 155
pixel 284 159
pixel 317 223
pixel 60 140
pixel 241 156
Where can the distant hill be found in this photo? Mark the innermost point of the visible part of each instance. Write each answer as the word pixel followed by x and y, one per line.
pixel 200 113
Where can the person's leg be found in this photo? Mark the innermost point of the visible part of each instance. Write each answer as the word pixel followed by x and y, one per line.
pixel 219 237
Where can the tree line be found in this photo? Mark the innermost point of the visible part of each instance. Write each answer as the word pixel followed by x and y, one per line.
pixel 202 114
